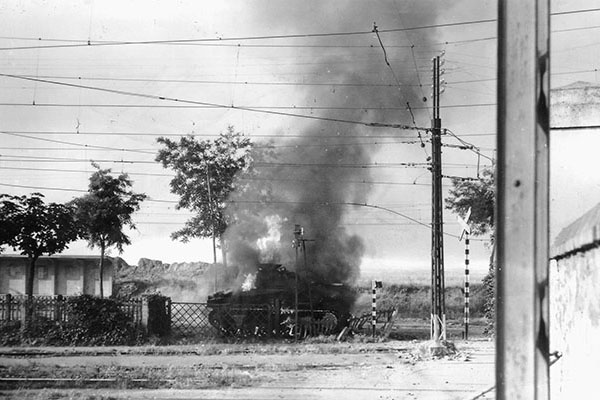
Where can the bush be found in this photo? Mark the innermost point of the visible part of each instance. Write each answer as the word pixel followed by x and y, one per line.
pixel 89 321
pixel 10 333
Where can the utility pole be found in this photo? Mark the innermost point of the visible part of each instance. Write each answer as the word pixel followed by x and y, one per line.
pixel 298 241
pixel 522 298
pixel 299 244
pixel 438 306
pixel 212 218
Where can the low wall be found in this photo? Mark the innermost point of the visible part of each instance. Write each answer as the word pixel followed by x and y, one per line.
pixel 575 308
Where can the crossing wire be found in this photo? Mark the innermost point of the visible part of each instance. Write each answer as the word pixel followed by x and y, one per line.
pixel 216 105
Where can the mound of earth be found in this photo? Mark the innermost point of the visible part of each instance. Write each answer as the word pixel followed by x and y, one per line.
pixel 182 281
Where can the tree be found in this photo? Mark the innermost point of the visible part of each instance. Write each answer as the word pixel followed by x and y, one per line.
pixel 35 228
pixel 480 196
pixel 105 211
pixel 205 173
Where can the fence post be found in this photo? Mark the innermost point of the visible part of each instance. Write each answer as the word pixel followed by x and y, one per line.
pixel 24 304
pixel 58 307
pixel 8 306
pixel 168 308
pixel 277 319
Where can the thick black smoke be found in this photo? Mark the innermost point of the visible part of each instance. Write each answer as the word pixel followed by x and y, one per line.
pixel 316 195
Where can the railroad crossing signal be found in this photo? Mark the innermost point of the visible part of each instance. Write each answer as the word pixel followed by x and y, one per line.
pixel 464 224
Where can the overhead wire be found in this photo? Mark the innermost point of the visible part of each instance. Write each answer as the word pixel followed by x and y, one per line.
pixel 245 38
pixel 24 158
pixel 468 146
pixel 96 43
pixel 216 105
pixel 265 109
pixel 149 174
pixel 254 135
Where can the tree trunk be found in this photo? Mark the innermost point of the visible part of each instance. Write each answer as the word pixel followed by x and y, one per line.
pixel 29 279
pixel 102 249
pixel 223 251
pixel 30 276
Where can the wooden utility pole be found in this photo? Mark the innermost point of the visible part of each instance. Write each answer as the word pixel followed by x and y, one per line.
pixel 298 241
pixel 438 306
pixel 213 228
pixel 522 343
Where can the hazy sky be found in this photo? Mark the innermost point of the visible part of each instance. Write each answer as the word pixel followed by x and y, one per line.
pixel 45 127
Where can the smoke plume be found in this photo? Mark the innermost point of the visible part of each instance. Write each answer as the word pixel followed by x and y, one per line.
pixel 318 173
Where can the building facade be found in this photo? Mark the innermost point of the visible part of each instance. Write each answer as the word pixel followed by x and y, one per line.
pixel 54 275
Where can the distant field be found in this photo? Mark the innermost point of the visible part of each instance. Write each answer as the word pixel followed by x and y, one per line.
pixel 419 277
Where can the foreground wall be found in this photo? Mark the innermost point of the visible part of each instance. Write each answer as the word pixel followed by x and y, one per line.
pixel 575 308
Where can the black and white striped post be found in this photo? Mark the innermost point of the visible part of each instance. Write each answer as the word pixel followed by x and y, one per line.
pixel 466 285
pixel 374 285
pixel 465 232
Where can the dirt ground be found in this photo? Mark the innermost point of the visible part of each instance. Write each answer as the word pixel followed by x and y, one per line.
pixel 356 370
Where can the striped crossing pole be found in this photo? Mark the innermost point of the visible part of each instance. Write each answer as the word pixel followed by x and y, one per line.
pixel 466 231
pixel 466 286
pixel 374 305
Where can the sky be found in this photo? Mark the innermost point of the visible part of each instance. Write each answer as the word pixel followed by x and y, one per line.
pixel 265 56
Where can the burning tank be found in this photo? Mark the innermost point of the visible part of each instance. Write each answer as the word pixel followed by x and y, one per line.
pixel 266 306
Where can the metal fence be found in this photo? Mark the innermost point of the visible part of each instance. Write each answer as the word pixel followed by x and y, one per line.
pixel 199 320
pixel 190 319
pixel 54 308
pixel 256 320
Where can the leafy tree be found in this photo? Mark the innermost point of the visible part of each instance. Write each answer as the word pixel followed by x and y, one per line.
pixel 480 196
pixel 205 173
pixel 35 228
pixel 105 211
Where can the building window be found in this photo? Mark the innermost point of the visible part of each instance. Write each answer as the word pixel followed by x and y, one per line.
pixel 15 271
pixel 42 272
pixel 73 272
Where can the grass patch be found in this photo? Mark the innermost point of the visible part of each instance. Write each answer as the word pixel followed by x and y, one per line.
pixel 194 377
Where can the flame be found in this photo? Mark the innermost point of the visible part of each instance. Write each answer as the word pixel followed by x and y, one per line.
pixel 249 282
pixel 269 245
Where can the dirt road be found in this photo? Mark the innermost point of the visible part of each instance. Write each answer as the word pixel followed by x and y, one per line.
pixel 390 370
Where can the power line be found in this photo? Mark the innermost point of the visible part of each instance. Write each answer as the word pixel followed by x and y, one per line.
pixel 217 82
pixel 262 46
pixel 271 136
pixel 153 151
pixel 469 146
pixel 581 11
pixel 77 144
pixel 81 147
pixel 23 158
pixel 172 99
pixel 149 174
pixel 265 109
pixel 90 43
pixel 324 204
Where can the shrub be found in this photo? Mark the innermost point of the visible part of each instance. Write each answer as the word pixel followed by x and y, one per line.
pixel 97 321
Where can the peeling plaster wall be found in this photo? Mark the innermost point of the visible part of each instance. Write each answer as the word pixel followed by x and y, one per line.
pixel 575 325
